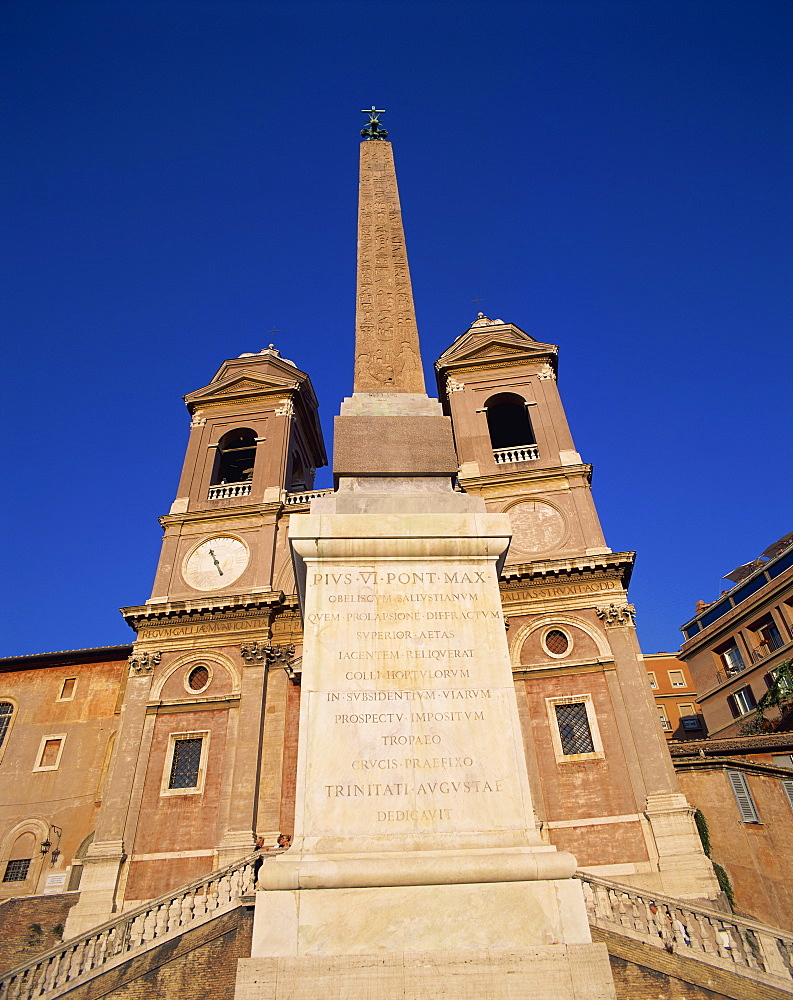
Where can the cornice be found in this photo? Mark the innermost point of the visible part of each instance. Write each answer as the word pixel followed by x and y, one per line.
pixel 201 609
pixel 764 742
pixel 733 763
pixel 620 563
pixel 65 658
pixel 501 480
pixel 247 511
pixel 494 362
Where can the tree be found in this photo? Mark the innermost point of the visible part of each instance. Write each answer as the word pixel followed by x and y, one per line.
pixel 779 696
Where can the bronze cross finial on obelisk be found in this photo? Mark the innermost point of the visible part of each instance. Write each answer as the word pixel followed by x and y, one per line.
pixel 387 357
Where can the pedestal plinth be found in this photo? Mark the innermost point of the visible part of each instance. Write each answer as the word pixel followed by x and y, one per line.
pixel 414 833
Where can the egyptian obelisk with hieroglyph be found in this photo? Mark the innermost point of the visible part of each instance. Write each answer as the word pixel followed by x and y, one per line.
pixel 415 858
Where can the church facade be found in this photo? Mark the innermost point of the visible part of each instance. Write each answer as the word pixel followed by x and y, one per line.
pixel 147 766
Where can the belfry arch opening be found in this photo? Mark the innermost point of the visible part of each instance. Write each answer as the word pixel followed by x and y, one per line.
pixel 508 421
pixel 236 456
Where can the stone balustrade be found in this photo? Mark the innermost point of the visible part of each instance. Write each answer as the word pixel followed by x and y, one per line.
pixel 226 491
pixel 727 941
pixel 520 453
pixel 81 958
pixel 293 499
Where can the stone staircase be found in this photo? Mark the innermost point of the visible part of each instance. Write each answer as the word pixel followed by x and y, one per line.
pixel 730 955
pixel 81 959
pixel 702 950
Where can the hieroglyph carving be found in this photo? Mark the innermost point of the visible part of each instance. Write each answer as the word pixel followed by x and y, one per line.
pixel 260 652
pixel 387 355
pixel 617 615
pixel 143 663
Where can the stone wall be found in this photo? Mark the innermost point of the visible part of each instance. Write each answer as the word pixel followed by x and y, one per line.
pixel 31 925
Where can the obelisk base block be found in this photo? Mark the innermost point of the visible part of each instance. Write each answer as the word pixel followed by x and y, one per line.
pixel 492 941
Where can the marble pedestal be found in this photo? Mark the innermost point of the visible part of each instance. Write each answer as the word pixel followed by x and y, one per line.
pixel 414 845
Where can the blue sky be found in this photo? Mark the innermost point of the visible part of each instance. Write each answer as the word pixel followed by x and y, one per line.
pixel 613 177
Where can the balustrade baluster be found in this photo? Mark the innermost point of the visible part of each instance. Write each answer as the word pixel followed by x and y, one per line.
pixel 776 956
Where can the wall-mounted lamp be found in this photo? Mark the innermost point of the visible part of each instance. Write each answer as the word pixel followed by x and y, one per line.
pixel 46 844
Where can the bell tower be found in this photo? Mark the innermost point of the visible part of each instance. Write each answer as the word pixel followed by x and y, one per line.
pixel 254 439
pixel 202 759
pixel 602 781
pixel 513 440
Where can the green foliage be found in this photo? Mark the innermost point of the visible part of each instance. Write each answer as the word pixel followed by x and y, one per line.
pixel 702 830
pixel 57 930
pixel 34 935
pixel 724 883
pixel 779 696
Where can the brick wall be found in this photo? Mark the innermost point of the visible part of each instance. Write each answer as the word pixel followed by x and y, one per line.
pixel 30 925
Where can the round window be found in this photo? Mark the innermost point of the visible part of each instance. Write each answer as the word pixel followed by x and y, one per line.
pixel 199 678
pixel 556 642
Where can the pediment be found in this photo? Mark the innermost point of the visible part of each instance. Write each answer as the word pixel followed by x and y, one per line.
pixel 493 343
pixel 242 385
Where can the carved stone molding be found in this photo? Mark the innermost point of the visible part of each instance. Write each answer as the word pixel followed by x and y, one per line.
pixel 287 409
pixel 452 385
pixel 615 616
pixel 198 420
pixel 143 663
pixel 546 372
pixel 262 652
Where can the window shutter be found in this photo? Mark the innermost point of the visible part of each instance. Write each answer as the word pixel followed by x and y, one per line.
pixel 732 706
pixel 743 797
pixel 787 784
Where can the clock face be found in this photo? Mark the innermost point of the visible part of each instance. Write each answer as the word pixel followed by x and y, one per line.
pixel 216 563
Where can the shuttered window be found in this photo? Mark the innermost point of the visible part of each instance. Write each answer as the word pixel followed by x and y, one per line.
pixel 787 784
pixel 743 797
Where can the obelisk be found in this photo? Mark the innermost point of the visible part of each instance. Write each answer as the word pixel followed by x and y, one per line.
pixel 415 854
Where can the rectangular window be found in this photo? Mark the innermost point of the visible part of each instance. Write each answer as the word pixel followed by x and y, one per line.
pixel 185 764
pixel 688 717
pixel 732 659
pixel 782 759
pixel 743 797
pixel 676 678
pixel 17 871
pixel 6 715
pixel 653 681
pixel 665 723
pixel 50 752
pixel 787 784
pixel 574 731
pixel 67 689
pixel 744 700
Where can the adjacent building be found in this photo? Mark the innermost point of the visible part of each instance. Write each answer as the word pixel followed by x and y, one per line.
pixel 675 697
pixel 734 645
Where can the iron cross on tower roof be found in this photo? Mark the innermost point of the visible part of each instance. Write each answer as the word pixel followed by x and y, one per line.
pixel 373 129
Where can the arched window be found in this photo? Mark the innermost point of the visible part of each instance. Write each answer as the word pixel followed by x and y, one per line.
pixel 508 421
pixel 6 715
pixel 20 859
pixel 236 455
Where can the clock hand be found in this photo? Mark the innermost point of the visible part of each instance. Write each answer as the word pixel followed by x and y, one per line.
pixel 217 564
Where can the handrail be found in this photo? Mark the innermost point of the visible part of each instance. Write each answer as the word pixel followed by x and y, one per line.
pixel 306 496
pixel 87 954
pixel 740 944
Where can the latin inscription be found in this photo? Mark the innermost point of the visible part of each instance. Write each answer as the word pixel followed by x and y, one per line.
pixel 399 673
